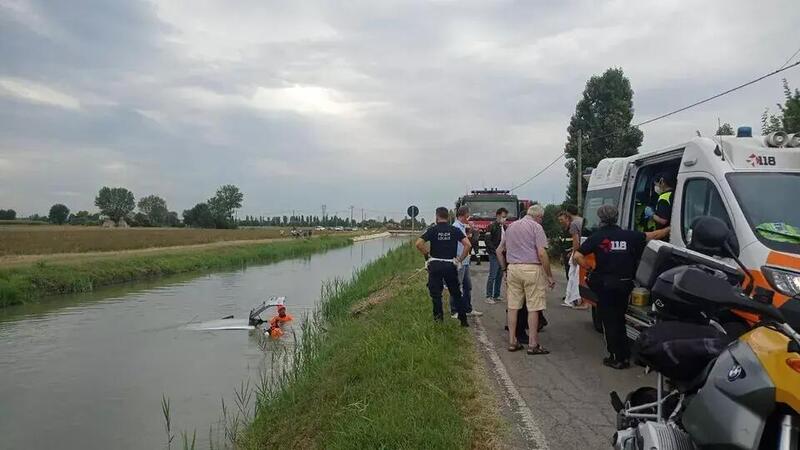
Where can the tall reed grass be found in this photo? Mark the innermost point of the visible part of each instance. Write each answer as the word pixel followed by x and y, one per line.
pixel 387 378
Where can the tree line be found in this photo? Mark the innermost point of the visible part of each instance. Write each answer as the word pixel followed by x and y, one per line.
pixel 216 212
pixel 8 214
pixel 326 221
pixel 118 206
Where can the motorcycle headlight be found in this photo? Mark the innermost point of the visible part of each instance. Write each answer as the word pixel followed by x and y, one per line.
pixel 784 281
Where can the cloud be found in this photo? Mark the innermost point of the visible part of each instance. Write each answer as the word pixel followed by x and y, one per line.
pixel 37 93
pixel 266 167
pixel 301 99
pixel 374 104
pixel 218 31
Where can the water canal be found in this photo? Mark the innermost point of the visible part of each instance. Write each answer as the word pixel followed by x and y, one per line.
pixel 88 371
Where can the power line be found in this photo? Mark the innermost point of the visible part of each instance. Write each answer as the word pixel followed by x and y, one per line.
pixel 663 116
pixel 538 173
pixel 790 58
pixel 713 97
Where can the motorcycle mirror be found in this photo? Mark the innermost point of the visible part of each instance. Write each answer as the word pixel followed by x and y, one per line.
pixel 711 236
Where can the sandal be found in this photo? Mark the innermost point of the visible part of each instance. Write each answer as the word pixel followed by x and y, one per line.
pixel 515 347
pixel 538 350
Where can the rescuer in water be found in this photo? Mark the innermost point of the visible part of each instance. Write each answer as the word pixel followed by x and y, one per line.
pixel 276 323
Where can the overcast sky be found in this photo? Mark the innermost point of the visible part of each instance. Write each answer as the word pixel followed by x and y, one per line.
pixel 369 103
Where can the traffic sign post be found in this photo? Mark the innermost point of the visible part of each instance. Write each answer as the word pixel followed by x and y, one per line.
pixel 413 212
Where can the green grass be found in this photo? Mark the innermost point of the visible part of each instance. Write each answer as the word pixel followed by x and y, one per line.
pixel 387 378
pixel 22 222
pixel 23 284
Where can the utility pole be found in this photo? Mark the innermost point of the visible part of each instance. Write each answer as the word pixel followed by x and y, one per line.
pixel 362 215
pixel 323 215
pixel 351 214
pixel 580 171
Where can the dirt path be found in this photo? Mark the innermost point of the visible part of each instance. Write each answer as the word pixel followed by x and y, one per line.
pixel 68 258
pixel 71 258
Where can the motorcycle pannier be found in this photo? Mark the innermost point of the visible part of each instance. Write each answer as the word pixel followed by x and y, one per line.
pixel 679 350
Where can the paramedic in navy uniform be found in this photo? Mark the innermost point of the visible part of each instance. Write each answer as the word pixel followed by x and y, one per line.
pixel 443 262
pixel 617 254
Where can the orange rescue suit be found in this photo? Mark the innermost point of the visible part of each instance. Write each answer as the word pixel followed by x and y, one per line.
pixel 275 325
pixel 277 321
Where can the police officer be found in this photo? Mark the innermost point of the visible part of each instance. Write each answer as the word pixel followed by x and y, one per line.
pixel 617 253
pixel 443 262
pixel 664 187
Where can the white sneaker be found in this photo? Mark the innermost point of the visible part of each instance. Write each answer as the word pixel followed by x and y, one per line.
pixel 490 301
pixel 475 313
pixel 454 316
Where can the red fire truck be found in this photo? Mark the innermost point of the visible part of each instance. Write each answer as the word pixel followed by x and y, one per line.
pixel 483 204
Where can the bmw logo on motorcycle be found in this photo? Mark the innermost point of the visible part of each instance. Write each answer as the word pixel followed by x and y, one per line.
pixel 735 373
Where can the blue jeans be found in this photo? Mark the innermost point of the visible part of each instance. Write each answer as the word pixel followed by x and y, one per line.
pixel 495 279
pixel 466 291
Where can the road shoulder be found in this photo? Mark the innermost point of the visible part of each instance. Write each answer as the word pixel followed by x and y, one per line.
pixel 566 391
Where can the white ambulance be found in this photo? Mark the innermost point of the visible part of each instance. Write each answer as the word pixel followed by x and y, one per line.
pixel 750 182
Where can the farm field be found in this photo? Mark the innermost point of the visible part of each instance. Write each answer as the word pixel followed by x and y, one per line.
pixel 84 272
pixel 48 239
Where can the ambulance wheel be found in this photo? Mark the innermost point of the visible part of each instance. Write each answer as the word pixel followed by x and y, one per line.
pixel 596 323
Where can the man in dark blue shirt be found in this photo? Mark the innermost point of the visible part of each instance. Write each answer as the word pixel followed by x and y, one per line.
pixel 443 261
pixel 617 253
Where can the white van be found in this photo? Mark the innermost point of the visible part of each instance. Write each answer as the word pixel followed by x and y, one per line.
pixel 752 183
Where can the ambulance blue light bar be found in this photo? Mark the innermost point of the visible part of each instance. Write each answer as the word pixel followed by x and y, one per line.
pixel 744 132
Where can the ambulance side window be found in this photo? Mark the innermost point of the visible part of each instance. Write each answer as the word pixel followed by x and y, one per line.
pixel 701 198
pixel 594 200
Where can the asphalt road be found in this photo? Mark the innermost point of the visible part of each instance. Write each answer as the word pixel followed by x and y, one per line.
pixel 555 401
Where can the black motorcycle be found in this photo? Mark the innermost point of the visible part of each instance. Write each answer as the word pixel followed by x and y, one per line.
pixel 721 384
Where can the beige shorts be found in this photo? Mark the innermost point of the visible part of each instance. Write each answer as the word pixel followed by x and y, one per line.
pixel 526 285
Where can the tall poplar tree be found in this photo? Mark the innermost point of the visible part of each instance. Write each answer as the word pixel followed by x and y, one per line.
pixel 604 117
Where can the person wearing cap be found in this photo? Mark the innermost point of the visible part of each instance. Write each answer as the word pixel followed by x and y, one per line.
pixel 662 213
pixel 617 253
pixel 443 261
pixel 278 321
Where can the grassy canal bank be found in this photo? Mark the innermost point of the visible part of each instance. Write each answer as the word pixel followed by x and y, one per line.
pixel 20 284
pixel 376 372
